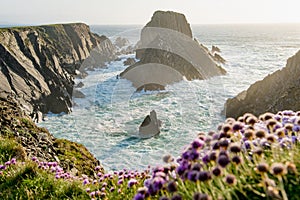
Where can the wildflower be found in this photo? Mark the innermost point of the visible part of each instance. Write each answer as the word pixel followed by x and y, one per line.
pixel 192 175
pixel 158 183
pixel 260 134
pixel 92 194
pixel 213 156
pixel 226 128
pixel 201 196
pixel 197 167
pixel 88 190
pixel 267 116
pixel 216 171
pixel 236 160
pixel 197 144
pixel 86 181
pixel 251 120
pixel 258 151
pixel 271 138
pixel 13 161
pixel 112 189
pixel 97 168
pixel 205 159
pixel 172 186
pixel 204 176
pixel 271 123
pixel 139 196
pixel 7 163
pixel 235 148
pixel 237 126
pixel 249 134
pixel 224 143
pixel 291 167
pixel 262 168
pixel 142 190
pixel 278 169
pixel 230 179
pixel 280 133
pixel 2 167
pixel 240 119
pixel 223 161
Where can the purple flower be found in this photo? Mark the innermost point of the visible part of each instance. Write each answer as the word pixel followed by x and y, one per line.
pixel 223 161
pixel 197 143
pixel 172 186
pixel 132 182
pixel 85 181
pixel 204 176
pixel 139 196
pixel 192 175
pixel 92 194
pixel 7 163
pixel 158 183
pixel 205 159
pixel 112 189
pixel 13 161
pixel 97 168
pixel 2 167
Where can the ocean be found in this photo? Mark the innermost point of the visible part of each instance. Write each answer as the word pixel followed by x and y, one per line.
pixel 107 120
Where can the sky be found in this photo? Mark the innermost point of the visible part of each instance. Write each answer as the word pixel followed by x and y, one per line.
pixel 92 12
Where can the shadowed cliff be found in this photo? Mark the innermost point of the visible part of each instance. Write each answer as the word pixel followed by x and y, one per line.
pixel 37 64
pixel 278 91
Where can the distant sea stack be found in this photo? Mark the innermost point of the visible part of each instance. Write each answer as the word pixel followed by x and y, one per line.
pixel 167 53
pixel 38 64
pixel 278 91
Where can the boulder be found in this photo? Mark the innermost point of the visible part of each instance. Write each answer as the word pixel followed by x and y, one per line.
pixel 167 53
pixel 150 126
pixel 121 42
pixel 277 91
pixel 129 61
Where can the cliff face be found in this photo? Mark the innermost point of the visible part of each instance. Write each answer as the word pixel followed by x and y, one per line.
pixel 168 53
pixel 278 91
pixel 37 64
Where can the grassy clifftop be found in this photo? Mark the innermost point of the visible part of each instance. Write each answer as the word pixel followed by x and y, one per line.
pixel 22 139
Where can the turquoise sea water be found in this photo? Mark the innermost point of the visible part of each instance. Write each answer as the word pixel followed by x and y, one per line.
pixel 106 121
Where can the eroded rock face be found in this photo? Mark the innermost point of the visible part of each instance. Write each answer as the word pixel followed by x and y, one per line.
pixel 278 91
pixel 167 46
pixel 37 64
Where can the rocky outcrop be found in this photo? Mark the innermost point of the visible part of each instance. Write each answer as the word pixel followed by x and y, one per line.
pixel 37 64
pixel 278 91
pixel 167 53
pixel 37 142
pixel 129 61
pixel 150 126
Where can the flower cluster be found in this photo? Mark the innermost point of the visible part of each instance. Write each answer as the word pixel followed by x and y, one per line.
pixel 211 163
pixel 7 164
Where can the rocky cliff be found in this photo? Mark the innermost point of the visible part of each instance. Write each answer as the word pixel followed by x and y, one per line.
pixel 37 64
pixel 278 91
pixel 168 53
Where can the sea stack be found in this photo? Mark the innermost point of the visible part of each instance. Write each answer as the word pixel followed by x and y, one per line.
pixel 167 53
pixel 150 126
pixel 278 91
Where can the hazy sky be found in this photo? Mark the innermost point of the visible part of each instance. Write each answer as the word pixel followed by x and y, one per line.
pixel 140 11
